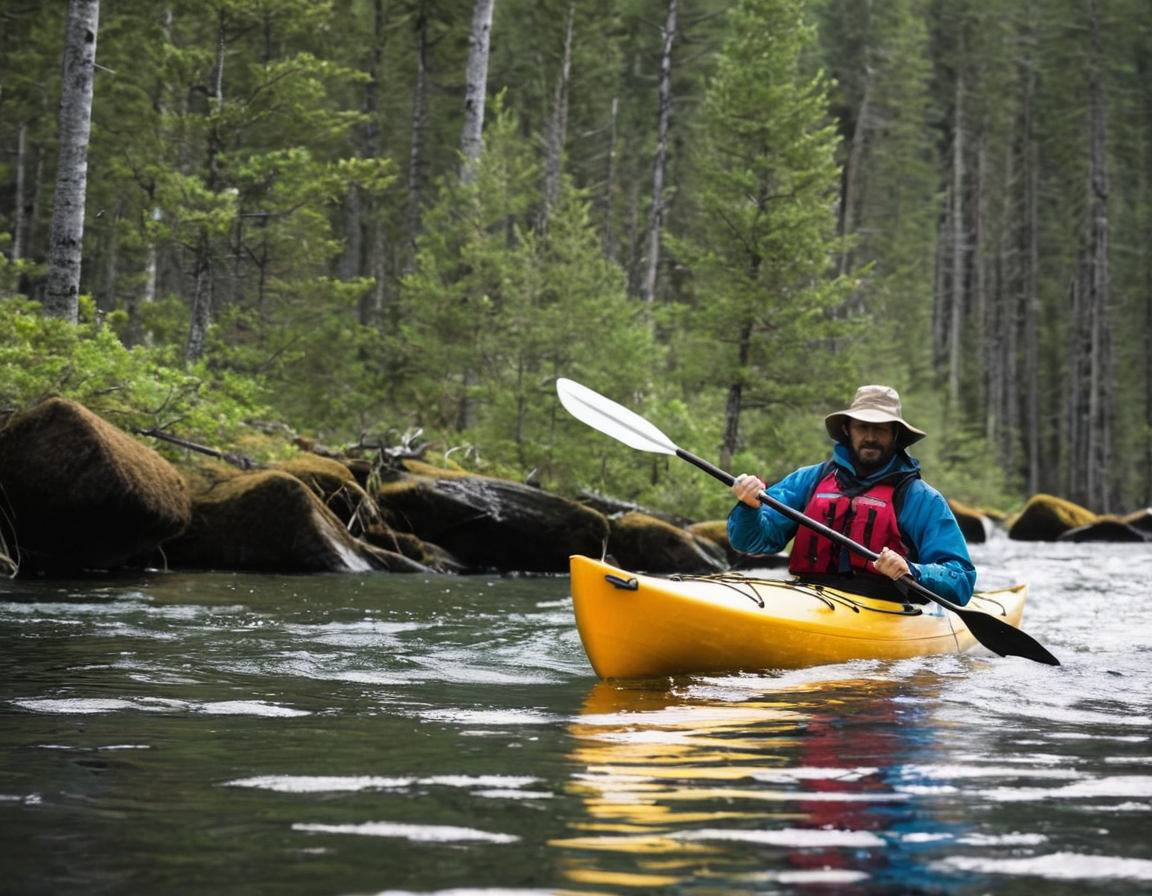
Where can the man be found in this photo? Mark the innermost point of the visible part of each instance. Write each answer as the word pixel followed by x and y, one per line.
pixel 871 491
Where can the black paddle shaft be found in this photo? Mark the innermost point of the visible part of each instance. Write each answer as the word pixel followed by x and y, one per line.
pixel 994 633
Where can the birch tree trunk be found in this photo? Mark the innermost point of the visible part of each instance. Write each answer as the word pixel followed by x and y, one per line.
pixel 201 304
pixel 659 173
pixel 18 223
pixel 471 144
pixel 476 85
pixel 66 237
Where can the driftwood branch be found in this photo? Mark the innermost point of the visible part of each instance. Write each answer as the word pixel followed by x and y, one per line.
pixel 238 460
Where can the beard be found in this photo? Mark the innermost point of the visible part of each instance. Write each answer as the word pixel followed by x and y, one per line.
pixel 868 457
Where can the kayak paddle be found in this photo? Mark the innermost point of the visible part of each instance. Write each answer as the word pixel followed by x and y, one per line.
pixel 628 427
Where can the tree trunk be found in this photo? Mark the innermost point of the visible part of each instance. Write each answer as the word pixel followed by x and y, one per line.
pixel 1144 71
pixel 66 239
pixel 1030 297
pixel 999 325
pixel 979 301
pixel 940 293
pixel 373 303
pixel 1090 425
pixel 1101 379
pixel 634 237
pixel 201 302
pixel 205 274
pixel 956 308
pixel 416 150
pixel 110 256
pixel 557 130
pixel 659 172
pixel 852 172
pixel 471 144
pixel 610 247
pixel 734 405
pixel 350 262
pixel 18 219
pixel 476 85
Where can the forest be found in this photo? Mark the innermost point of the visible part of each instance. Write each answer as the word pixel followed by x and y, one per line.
pixel 365 224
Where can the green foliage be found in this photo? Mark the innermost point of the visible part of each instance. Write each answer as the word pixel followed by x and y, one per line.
pixel 277 199
pixel 138 388
pixel 883 102
pixel 12 271
pixel 495 311
pixel 761 315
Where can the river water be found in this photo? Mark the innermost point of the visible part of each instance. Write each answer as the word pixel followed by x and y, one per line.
pixel 361 734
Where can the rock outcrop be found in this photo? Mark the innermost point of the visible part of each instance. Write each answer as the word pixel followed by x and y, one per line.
pixel 971 522
pixel 271 521
pixel 1046 518
pixel 645 544
pixel 78 493
pixel 1105 530
pixel 491 523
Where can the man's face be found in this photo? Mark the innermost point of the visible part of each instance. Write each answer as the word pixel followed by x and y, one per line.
pixel 873 444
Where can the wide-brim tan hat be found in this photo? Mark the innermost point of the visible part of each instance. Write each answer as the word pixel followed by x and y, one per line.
pixel 874 404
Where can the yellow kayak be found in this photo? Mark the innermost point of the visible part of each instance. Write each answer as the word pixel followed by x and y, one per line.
pixel 640 626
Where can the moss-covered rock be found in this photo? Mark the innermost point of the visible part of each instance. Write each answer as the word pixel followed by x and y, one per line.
pixel 271 521
pixel 489 523
pixel 1105 529
pixel 1141 519
pixel 714 532
pixel 431 555
pixel 971 522
pixel 334 484
pixel 642 543
pixel 78 493
pixel 1046 518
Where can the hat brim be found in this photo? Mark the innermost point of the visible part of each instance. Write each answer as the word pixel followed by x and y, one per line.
pixel 835 424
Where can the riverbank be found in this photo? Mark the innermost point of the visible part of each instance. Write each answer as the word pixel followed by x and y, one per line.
pixel 81 495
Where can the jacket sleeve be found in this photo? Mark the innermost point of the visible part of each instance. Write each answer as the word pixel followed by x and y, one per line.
pixel 763 530
pixel 942 562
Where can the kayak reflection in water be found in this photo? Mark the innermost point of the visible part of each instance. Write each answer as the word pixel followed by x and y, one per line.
pixel 796 782
pixel 871 491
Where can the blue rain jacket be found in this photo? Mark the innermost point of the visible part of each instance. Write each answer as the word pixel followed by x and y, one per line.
pixel 938 553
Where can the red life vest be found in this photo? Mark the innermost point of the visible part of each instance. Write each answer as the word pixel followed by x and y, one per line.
pixel 868 518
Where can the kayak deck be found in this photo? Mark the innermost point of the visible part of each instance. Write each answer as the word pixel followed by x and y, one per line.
pixel 642 626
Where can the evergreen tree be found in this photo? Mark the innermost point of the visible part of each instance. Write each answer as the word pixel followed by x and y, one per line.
pixel 762 247
pixel 494 298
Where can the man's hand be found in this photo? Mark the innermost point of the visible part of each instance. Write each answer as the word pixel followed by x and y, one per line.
pixel 746 488
pixel 891 564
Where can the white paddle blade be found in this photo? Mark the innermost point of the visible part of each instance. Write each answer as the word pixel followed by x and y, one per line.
pixel 611 418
